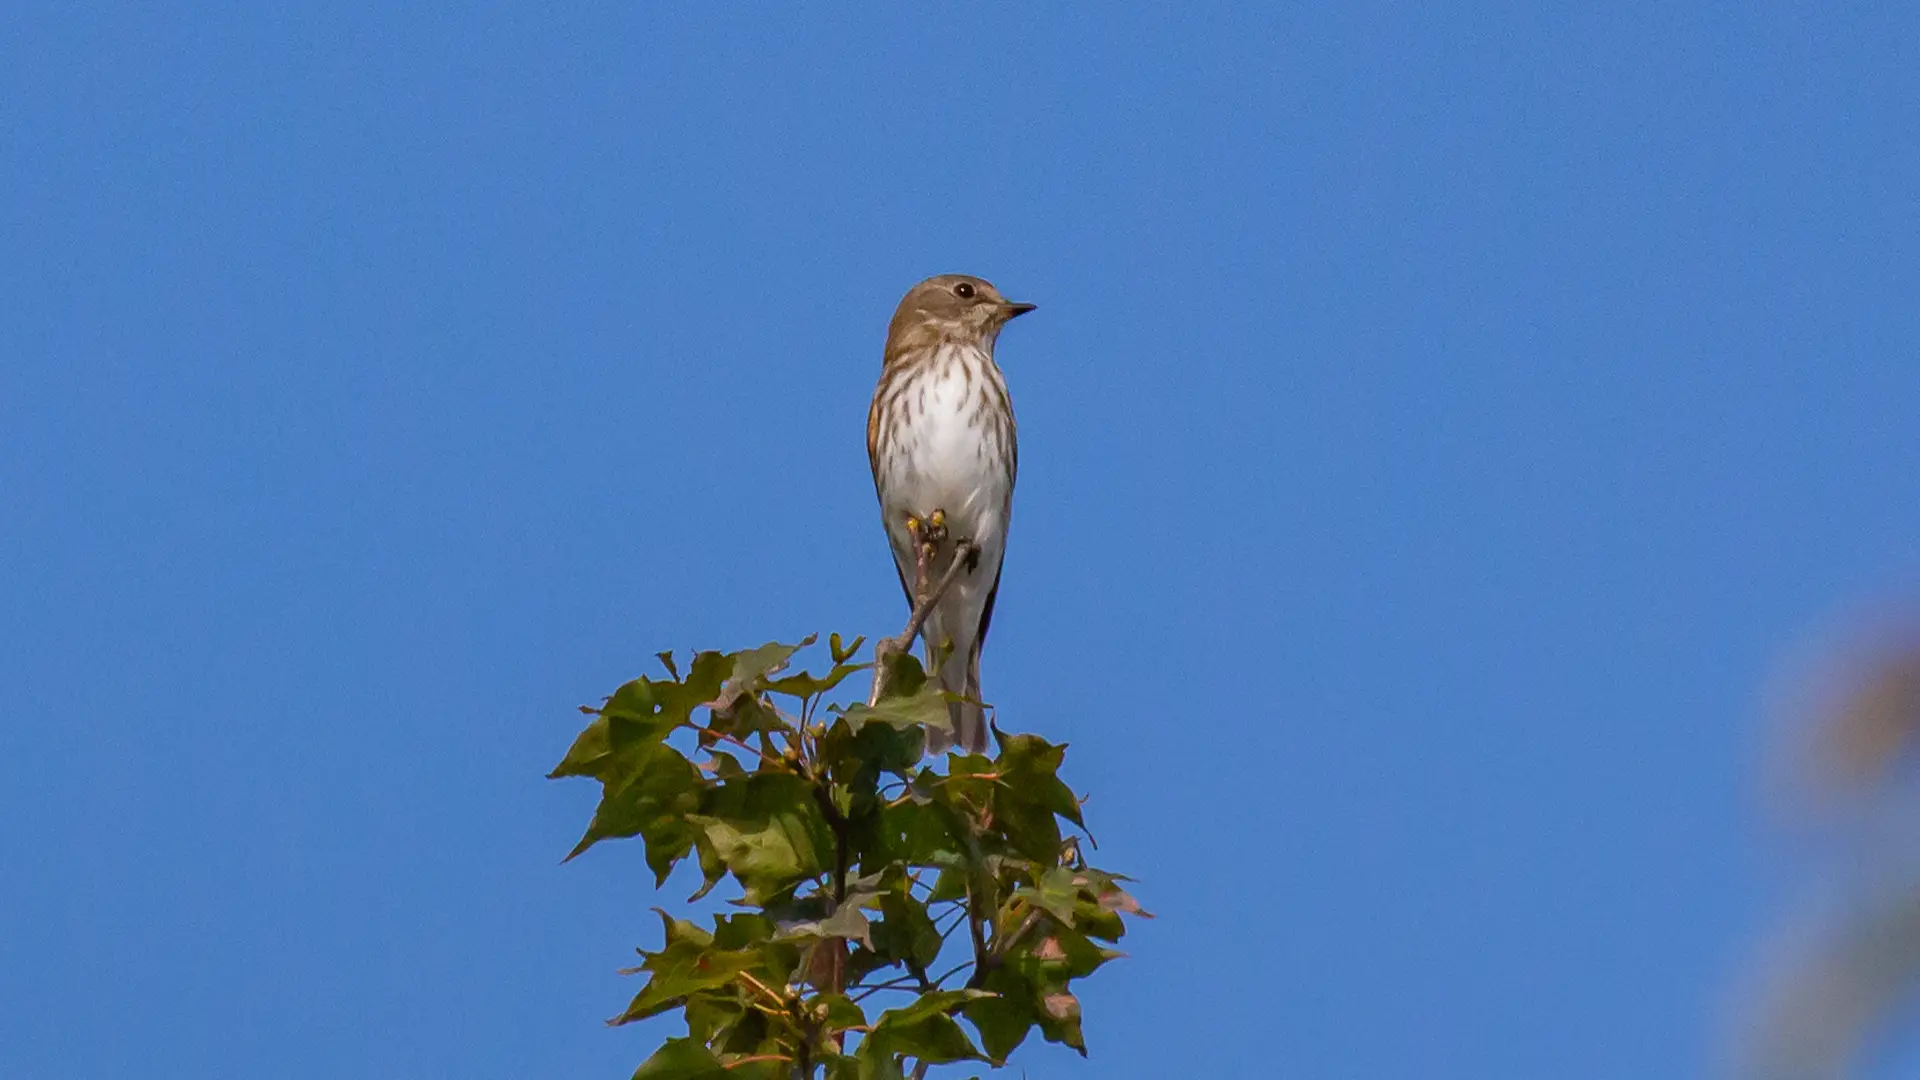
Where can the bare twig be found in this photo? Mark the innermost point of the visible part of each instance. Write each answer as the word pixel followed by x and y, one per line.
pixel 1005 946
pixel 983 960
pixel 960 916
pixel 964 553
pixel 951 972
pixel 757 1057
pixel 759 752
pixel 904 982
pixel 778 1001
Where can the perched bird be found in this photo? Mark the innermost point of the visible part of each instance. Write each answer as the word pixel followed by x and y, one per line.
pixel 940 437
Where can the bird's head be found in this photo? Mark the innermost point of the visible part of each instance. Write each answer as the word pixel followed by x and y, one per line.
pixel 952 307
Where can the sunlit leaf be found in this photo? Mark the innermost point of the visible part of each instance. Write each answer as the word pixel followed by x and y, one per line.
pixel 753 667
pixel 679 970
pixel 768 831
pixel 1056 894
pixel 928 707
pixel 848 922
pixel 651 798
pixel 805 684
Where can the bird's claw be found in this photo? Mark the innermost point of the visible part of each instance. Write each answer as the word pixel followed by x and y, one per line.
pixel 931 531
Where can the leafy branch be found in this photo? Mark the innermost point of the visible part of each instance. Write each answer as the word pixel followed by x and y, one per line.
pixel 846 851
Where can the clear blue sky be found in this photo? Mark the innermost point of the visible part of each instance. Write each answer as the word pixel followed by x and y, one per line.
pixel 1439 423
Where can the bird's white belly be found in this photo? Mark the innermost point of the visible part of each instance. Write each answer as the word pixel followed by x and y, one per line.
pixel 954 461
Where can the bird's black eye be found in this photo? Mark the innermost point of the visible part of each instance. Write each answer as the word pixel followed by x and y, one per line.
pixel 964 290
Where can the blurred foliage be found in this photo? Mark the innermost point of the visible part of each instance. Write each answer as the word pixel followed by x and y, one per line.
pixel 1839 980
pixel 892 914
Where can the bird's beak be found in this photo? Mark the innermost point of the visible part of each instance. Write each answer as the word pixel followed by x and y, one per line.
pixel 1014 310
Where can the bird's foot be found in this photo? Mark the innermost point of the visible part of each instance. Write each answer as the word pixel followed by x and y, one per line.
pixel 930 530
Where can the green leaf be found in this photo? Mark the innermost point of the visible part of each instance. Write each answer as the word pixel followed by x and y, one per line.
pixel 688 963
pixel 681 1059
pixel 1029 795
pixel 837 1012
pixel 842 653
pixel 632 718
pixel 1032 989
pixel 925 1029
pixel 713 1017
pixel 916 835
pixel 970 781
pixel 712 867
pixel 1004 1019
pixel 749 928
pixel 932 1003
pixel 950 885
pixel 1060 1019
pixel 736 708
pixel 1102 902
pixel 647 792
pixel 936 1039
pixel 906 932
pixel 641 712
pixel 741 716
pixel 685 1059
pixel 846 922
pixel 859 755
pixel 840 1066
pixel 768 831
pixel 1061 955
pixel 647 787
pixel 674 930
pixel 768 855
pixel 752 667
pixel 875 1062
pixel 903 673
pixel 1056 894
pixel 926 707
pixel 1031 765
pixel 706 676
pixel 750 1033
pixel 805 684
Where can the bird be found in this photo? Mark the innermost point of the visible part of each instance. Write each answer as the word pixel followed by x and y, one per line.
pixel 941 440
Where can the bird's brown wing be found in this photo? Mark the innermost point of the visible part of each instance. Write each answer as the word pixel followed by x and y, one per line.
pixel 873 438
pixel 873 462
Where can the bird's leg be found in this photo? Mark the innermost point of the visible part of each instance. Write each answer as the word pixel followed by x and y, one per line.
pixel 928 534
pixel 964 550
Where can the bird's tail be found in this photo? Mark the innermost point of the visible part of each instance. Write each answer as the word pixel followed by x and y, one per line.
pixel 959 674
